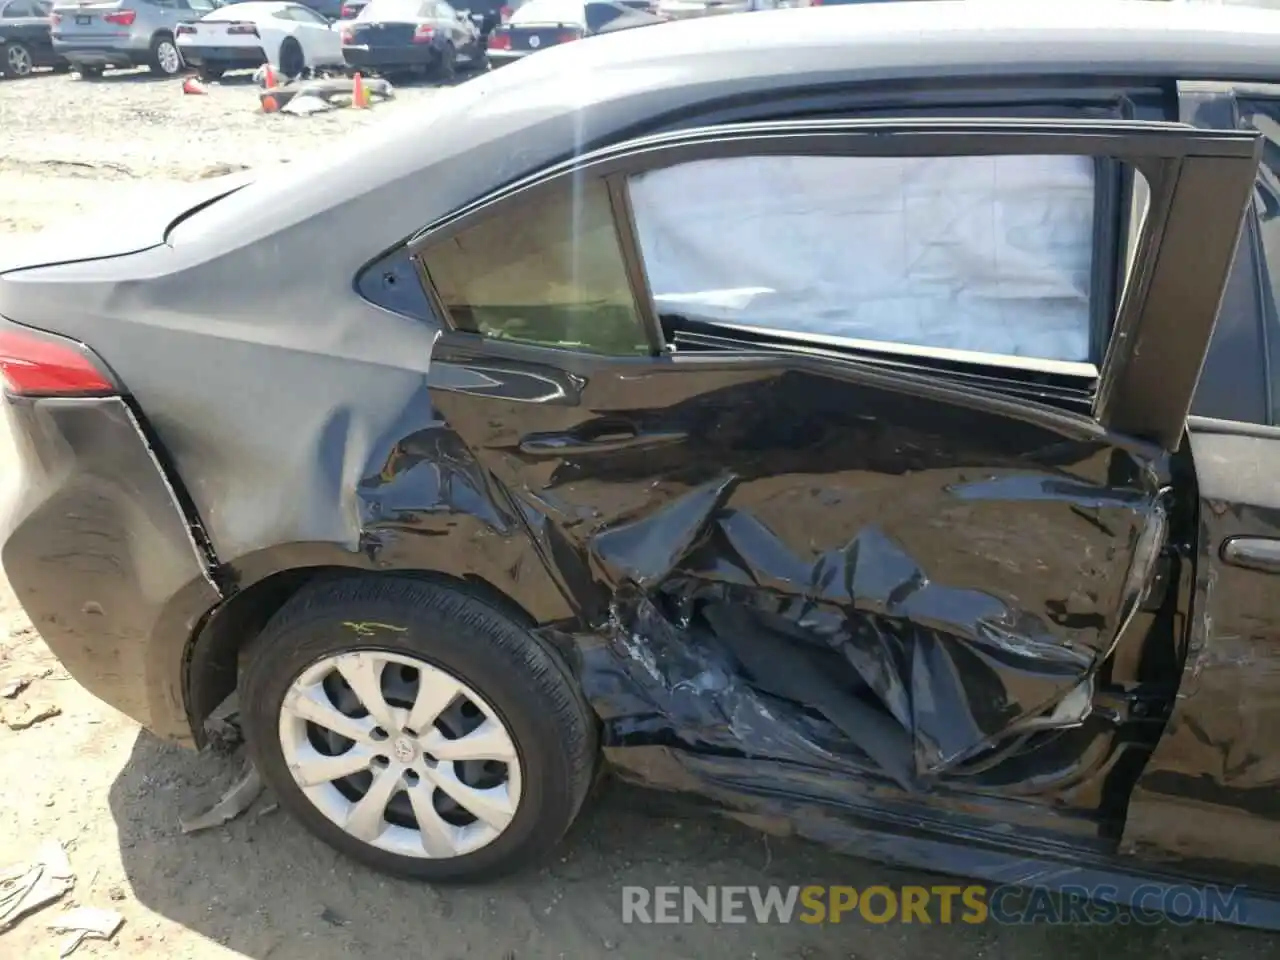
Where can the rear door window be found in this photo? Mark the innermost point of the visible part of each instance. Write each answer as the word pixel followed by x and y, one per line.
pixel 986 255
pixel 19 8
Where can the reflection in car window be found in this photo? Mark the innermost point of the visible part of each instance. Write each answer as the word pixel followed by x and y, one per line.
pixel 983 254
pixel 548 271
pixel 19 8
pixel 550 11
pixel 1264 116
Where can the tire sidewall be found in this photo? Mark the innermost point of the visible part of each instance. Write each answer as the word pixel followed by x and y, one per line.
pixel 30 60
pixel 292 55
pixel 161 39
pixel 546 802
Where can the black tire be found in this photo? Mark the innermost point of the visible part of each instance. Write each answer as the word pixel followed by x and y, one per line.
pixel 447 69
pixel 18 61
pixel 292 60
pixel 165 59
pixel 524 682
pixel 89 73
pixel 209 74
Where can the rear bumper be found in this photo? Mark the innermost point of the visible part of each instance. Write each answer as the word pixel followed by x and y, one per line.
pixel 498 58
pixel 100 554
pixel 123 51
pixel 223 58
pixel 389 58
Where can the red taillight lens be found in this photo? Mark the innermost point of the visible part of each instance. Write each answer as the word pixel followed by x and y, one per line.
pixel 242 30
pixel 122 18
pixel 504 14
pixel 184 29
pixel 423 34
pixel 566 37
pixel 499 41
pixel 348 35
pixel 55 19
pixel 347 12
pixel 35 366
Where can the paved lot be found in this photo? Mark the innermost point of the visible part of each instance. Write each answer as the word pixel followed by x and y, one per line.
pixel 260 887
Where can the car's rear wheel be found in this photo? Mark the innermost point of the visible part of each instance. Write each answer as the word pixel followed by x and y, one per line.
pixel 17 60
pixel 166 60
pixel 416 729
pixel 292 60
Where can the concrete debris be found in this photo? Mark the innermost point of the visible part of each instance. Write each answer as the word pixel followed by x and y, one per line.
pixel 29 714
pixel 84 923
pixel 335 92
pixel 15 687
pixel 238 798
pixel 26 889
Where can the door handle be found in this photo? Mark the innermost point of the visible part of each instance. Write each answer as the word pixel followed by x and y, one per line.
pixel 603 441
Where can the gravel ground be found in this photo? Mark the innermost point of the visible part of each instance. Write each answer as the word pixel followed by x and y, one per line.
pixel 260 887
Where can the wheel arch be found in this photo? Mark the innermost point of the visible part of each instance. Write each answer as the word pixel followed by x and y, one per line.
pixel 210 661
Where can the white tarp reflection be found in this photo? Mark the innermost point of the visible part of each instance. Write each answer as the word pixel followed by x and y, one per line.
pixel 988 254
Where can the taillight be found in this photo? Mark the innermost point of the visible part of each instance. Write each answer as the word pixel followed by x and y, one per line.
pixel 499 41
pixel 348 35
pixel 424 33
pixel 566 37
pixel 122 18
pixel 504 14
pixel 347 12
pixel 184 29
pixel 55 18
pixel 242 30
pixel 36 366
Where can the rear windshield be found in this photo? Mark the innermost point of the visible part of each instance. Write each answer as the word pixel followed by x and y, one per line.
pixel 393 10
pixel 233 12
pixel 548 11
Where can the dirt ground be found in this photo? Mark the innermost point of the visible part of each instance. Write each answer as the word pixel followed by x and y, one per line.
pixel 260 887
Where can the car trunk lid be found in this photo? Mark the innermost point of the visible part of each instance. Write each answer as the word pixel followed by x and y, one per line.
pixel 222 33
pixel 89 21
pixel 136 221
pixel 536 36
pixel 381 33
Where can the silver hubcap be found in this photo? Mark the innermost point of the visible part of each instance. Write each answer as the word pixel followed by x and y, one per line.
pixel 400 754
pixel 167 56
pixel 19 61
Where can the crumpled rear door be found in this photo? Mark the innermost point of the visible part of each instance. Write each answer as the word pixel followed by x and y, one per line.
pixel 816 559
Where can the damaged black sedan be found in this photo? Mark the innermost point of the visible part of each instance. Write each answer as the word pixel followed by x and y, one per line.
pixel 874 432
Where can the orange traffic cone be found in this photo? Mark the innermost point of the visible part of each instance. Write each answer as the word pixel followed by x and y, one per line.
pixel 357 92
pixel 192 85
pixel 270 80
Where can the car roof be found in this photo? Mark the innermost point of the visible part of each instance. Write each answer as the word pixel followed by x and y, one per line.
pixel 260 7
pixel 402 175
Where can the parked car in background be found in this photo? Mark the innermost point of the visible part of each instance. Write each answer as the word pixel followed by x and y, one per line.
pixel 25 41
pixel 289 36
pixel 427 37
pixel 688 9
pixel 873 430
pixel 540 24
pixel 123 33
pixel 329 9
